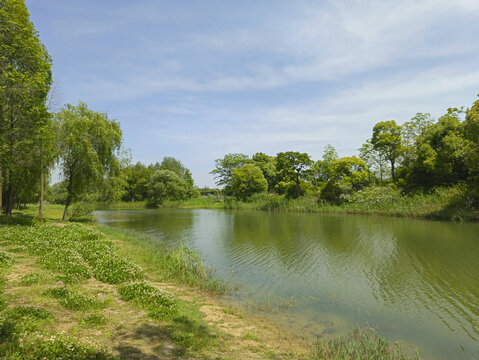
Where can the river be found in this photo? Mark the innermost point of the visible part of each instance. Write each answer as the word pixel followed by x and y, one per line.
pixel 416 281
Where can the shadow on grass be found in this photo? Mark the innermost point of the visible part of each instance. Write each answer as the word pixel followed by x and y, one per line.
pixel 175 340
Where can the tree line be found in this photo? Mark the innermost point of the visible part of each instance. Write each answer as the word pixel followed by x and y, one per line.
pixel 85 145
pixel 416 156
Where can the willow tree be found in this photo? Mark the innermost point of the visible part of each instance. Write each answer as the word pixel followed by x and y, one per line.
pixel 25 79
pixel 88 148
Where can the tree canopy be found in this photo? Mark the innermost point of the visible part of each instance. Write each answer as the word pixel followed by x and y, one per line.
pixel 88 143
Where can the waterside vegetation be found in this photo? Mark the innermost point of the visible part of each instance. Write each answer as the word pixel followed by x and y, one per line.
pixel 60 299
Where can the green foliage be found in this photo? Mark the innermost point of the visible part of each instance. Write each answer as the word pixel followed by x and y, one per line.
pixel 157 302
pixel 88 144
pixel 360 343
pixel 387 140
pixel 267 164
pixel 167 185
pixel 94 320
pixel 30 279
pixel 223 170
pixel 472 134
pixel 293 166
pixel 25 79
pixel 44 346
pixel 74 251
pixel 73 300
pixel 440 154
pixel 5 259
pixel 248 180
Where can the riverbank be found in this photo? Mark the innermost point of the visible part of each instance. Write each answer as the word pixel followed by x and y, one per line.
pixel 60 295
pixel 447 204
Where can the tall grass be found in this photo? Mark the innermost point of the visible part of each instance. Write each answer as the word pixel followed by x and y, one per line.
pixel 166 262
pixel 360 343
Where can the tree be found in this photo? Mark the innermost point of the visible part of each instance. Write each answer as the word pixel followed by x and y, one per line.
pixel 351 170
pixel 323 170
pixel 248 180
pixel 267 164
pixel 472 134
pixel 375 161
pixel 293 166
pixel 172 164
pixel 441 154
pixel 223 170
pixel 25 79
pixel 387 140
pixel 166 185
pixel 88 144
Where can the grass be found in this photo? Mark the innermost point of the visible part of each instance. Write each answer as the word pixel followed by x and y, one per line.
pixel 158 303
pixel 360 343
pixel 166 263
pixel 73 300
pixel 141 318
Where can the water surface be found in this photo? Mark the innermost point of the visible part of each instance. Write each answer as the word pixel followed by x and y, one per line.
pixel 416 281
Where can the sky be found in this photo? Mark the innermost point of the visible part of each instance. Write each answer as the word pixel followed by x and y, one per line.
pixel 199 79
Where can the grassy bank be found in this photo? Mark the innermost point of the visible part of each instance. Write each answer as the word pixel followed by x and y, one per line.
pixel 91 292
pixel 442 204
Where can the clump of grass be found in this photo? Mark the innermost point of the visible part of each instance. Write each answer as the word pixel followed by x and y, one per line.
pixel 157 302
pixel 44 346
pixel 250 336
pixel 22 318
pixel 94 320
pixel 113 269
pixel 360 343
pixel 30 279
pixel 72 300
pixel 6 259
pixel 66 261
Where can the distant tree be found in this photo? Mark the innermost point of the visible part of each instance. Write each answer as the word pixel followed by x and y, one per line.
pixel 137 177
pixel 472 134
pixel 293 166
pixel 248 180
pixel 172 164
pixel 267 164
pixel 375 161
pixel 323 170
pixel 351 170
pixel 387 140
pixel 441 154
pixel 224 167
pixel 88 144
pixel 166 185
pixel 25 79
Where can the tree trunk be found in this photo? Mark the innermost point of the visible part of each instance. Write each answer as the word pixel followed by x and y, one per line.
pixel 40 207
pixel 69 197
pixel 10 202
pixel 392 171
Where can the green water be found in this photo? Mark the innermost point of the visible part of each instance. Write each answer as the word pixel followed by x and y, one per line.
pixel 415 281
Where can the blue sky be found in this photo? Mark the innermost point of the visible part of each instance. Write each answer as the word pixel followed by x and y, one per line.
pixel 199 79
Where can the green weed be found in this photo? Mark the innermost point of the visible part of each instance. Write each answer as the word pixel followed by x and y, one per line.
pixel 72 300
pixel 6 259
pixel 360 343
pixel 157 302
